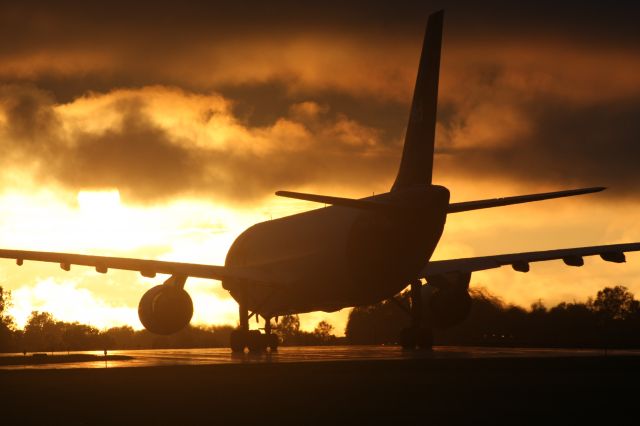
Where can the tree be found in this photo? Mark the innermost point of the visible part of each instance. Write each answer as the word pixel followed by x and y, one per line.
pixel 538 307
pixel 123 337
pixel 288 328
pixel 42 332
pixel 492 322
pixel 615 303
pixel 323 331
pixel 7 325
pixel 4 300
pixel 76 336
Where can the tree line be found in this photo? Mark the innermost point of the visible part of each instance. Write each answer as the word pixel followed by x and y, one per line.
pixel 610 320
pixel 44 333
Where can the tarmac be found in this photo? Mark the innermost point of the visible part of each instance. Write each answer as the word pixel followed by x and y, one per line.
pixel 212 356
pixel 327 385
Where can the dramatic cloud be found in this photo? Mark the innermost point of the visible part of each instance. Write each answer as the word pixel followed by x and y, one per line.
pixel 558 116
pixel 157 143
pixel 234 102
pixel 68 303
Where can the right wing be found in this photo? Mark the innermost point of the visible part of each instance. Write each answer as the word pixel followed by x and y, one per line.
pixel 146 267
pixel 520 261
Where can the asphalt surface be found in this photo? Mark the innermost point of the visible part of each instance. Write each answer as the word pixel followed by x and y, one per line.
pixel 212 356
pixel 328 386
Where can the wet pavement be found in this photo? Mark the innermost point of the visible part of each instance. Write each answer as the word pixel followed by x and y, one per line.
pixel 173 357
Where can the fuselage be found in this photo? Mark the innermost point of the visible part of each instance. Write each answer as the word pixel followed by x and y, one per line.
pixel 334 257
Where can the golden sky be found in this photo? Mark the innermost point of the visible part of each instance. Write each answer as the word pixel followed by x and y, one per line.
pixel 162 132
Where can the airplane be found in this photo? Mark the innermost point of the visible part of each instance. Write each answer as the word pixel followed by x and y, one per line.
pixel 351 252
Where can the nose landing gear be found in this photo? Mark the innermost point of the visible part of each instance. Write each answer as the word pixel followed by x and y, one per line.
pixel 253 340
pixel 242 338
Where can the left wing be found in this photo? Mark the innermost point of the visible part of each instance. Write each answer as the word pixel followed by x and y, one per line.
pixel 146 267
pixel 520 261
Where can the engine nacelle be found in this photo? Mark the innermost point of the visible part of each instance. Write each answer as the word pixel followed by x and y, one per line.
pixel 165 309
pixel 446 299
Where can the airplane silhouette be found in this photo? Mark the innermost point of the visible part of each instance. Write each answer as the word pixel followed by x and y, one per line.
pixel 353 252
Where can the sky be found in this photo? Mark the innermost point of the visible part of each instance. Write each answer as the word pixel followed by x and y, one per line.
pixel 162 130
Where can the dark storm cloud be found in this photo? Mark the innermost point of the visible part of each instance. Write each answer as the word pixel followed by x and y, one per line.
pixel 70 47
pixel 561 118
pixel 198 17
pixel 138 158
pixel 568 144
pixel 29 114
pixel 357 59
pixel 262 104
pixel 30 132
pixel 149 163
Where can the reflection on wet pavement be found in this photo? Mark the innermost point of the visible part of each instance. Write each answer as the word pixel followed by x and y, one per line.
pixel 169 357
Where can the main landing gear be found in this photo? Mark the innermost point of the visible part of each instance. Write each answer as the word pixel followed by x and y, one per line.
pixel 417 335
pixel 253 340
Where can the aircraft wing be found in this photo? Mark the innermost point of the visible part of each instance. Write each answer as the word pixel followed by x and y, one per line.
pixel 520 261
pixel 146 267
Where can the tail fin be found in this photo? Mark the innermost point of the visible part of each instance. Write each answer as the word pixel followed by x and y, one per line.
pixel 417 156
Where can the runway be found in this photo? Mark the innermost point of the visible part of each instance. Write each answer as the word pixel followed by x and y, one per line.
pixel 216 356
pixel 329 386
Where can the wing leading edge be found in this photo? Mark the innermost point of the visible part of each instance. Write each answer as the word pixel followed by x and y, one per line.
pixel 146 267
pixel 520 261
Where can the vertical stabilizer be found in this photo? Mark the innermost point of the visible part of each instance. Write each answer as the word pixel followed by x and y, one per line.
pixel 417 156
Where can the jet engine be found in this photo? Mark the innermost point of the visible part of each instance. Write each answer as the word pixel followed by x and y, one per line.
pixel 165 309
pixel 446 299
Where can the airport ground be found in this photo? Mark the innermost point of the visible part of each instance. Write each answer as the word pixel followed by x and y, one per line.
pixel 504 390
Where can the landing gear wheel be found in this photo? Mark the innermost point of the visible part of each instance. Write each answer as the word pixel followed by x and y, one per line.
pixel 238 341
pixel 408 338
pixel 424 339
pixel 272 342
pixel 412 337
pixel 256 342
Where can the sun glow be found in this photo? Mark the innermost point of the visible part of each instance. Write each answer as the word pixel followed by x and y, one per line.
pixel 103 223
pixel 98 201
pixel 103 220
pixel 100 222
pixel 68 302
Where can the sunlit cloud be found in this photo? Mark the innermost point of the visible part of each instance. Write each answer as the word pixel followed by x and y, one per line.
pixel 66 302
pixel 157 143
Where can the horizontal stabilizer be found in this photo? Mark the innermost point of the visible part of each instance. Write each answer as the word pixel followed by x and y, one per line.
pixel 339 201
pixel 507 201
